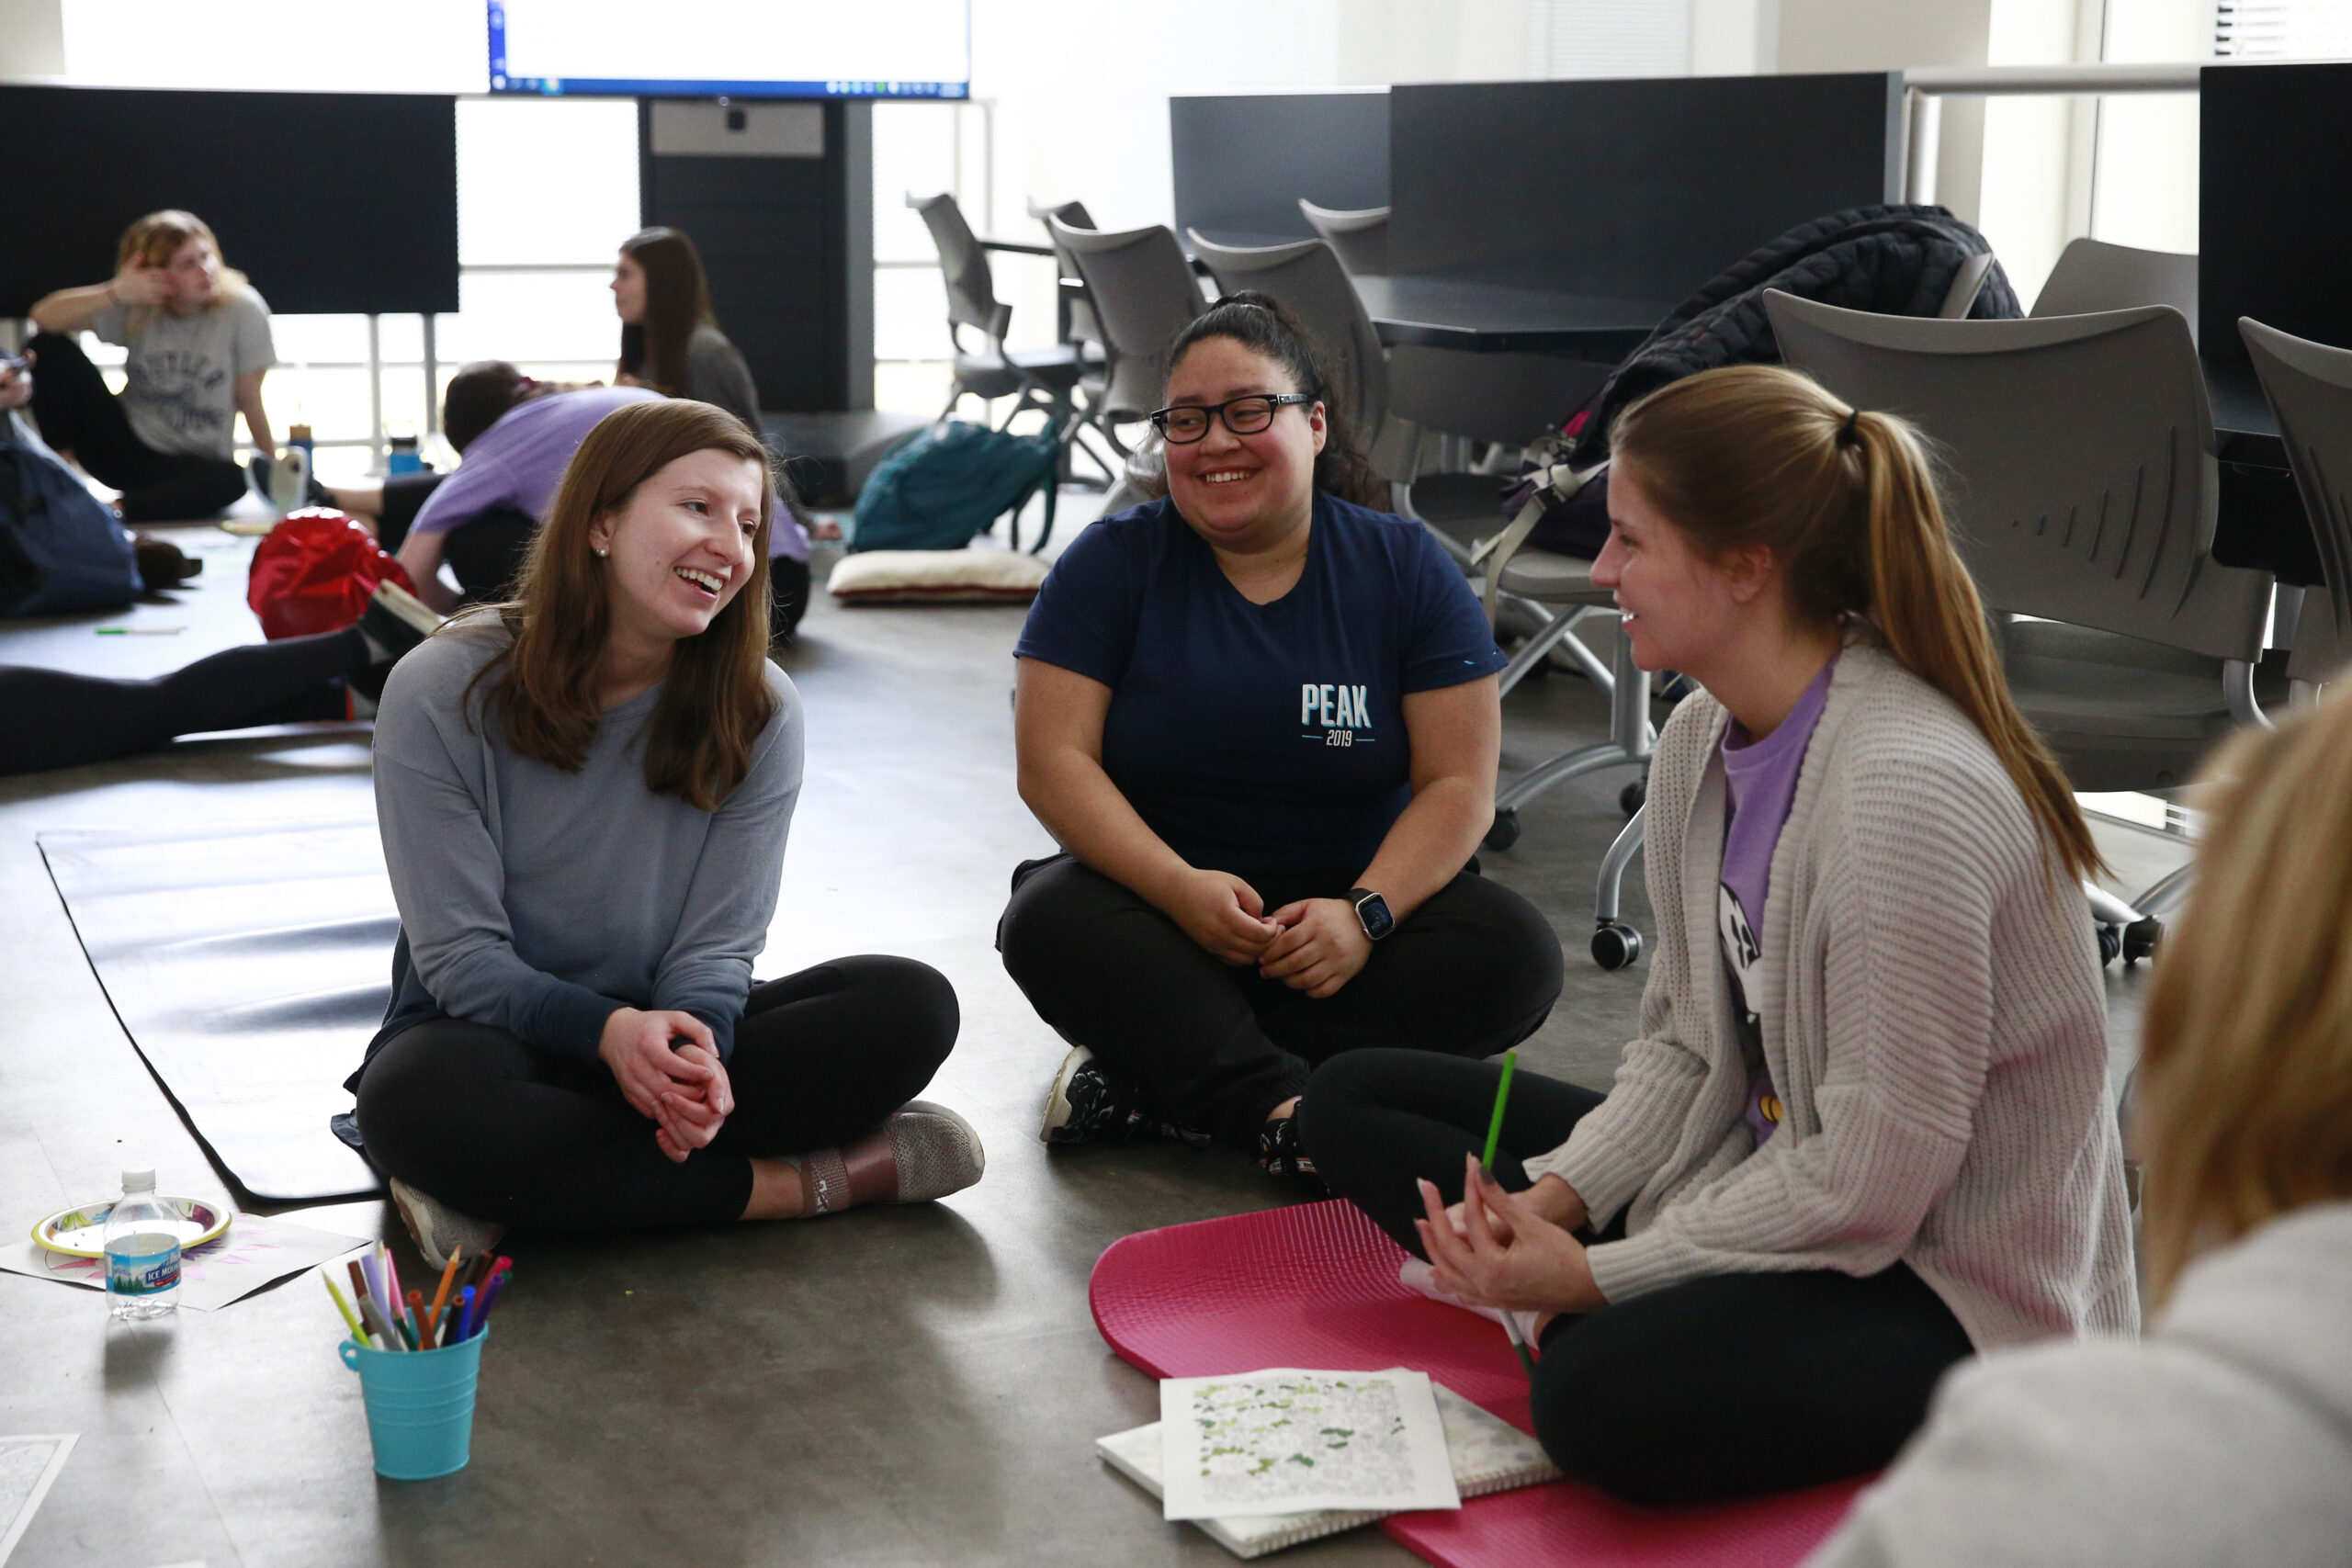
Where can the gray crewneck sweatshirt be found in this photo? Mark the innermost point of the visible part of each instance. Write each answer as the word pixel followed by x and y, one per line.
pixel 538 901
pixel 2226 1438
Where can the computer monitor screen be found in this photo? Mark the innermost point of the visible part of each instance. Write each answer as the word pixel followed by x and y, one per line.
pixel 2274 230
pixel 751 48
pixel 330 202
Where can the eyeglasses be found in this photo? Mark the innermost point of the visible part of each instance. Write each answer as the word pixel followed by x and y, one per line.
pixel 1188 423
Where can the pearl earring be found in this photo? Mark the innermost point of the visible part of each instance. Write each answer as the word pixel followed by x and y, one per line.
pixel 602 552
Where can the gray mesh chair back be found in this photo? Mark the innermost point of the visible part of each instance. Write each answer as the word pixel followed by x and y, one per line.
pixel 1077 313
pixel 2092 274
pixel 1312 284
pixel 2080 450
pixel 1361 238
pixel 972 289
pixel 2310 388
pixel 1143 293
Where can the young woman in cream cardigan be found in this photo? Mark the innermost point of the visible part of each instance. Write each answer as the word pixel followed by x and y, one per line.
pixel 1865 1129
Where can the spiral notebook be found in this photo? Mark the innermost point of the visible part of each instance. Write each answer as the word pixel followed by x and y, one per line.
pixel 1488 1454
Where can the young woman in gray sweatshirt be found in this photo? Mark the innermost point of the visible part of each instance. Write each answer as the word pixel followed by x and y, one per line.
pixel 584 797
pixel 1864 1129
pixel 2226 1438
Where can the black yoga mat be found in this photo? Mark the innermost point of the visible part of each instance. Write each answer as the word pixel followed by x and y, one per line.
pixel 249 964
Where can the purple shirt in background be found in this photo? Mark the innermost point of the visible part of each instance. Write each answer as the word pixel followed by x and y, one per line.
pixel 1760 785
pixel 519 461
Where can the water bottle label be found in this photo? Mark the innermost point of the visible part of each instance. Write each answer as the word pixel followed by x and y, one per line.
pixel 142 1273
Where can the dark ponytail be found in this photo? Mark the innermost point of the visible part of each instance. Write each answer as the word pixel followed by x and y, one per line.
pixel 1260 324
pixel 1847 502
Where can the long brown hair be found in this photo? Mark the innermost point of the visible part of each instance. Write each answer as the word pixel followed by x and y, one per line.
pixel 1758 454
pixel 677 299
pixel 714 700
pixel 2245 1083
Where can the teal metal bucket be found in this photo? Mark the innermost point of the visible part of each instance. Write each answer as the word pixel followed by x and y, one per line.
pixel 420 1405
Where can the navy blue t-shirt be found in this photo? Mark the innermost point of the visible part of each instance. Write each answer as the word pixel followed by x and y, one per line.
pixel 1262 740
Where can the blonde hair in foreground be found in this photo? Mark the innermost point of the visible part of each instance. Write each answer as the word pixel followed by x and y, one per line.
pixel 2245 1083
pixel 1758 454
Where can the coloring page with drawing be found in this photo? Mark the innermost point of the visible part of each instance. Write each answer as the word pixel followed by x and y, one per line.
pixel 1285 1441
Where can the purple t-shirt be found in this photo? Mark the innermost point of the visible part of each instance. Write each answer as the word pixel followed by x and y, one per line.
pixel 1760 784
pixel 519 462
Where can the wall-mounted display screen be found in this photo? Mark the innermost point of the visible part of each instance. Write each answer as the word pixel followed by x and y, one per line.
pixel 750 49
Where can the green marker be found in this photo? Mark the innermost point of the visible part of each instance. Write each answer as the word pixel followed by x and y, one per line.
pixel 1502 1097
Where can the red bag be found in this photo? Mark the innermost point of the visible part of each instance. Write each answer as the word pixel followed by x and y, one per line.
pixel 315 573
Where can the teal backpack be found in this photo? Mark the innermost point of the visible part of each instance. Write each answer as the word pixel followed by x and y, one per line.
pixel 941 488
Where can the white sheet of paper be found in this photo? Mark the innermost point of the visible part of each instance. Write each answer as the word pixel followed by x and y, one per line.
pixel 28 1465
pixel 254 1251
pixel 1286 1440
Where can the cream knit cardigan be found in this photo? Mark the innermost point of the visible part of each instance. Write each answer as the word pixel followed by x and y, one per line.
pixel 1933 1019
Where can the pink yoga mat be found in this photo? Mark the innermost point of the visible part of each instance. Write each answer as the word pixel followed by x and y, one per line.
pixel 1316 1285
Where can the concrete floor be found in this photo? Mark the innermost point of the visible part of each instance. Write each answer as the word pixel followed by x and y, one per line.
pixel 894 1386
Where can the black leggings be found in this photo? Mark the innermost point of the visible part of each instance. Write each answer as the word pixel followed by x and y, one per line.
pixel 52 719
pixel 1721 1387
pixel 503 1131
pixel 1473 971
pixel 77 415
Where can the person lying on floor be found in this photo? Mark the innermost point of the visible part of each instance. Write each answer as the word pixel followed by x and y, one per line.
pixel 2226 1438
pixel 1865 1128
pixel 58 719
pixel 199 342
pixel 515 434
pixel 584 798
pixel 1261 719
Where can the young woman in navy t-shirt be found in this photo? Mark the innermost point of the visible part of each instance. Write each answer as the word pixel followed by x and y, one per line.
pixel 1262 721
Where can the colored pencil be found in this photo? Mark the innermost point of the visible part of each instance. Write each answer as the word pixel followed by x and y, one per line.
pixel 358 1329
pixel 1494 1138
pixel 422 1319
pixel 374 1270
pixel 383 1330
pixel 358 1284
pixel 394 1295
pixel 441 1296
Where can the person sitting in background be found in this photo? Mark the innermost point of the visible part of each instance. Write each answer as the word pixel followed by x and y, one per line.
pixel 2226 1437
pixel 199 342
pixel 1261 719
pixel 671 341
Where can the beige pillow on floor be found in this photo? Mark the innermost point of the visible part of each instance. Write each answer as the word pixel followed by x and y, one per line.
pixel 902 577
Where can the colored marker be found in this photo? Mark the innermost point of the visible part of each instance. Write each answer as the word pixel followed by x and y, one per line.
pixel 383 1330
pixel 419 1320
pixel 1494 1138
pixel 482 1308
pixel 464 1314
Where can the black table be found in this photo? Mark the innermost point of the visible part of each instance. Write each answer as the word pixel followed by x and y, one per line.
pixel 1494 318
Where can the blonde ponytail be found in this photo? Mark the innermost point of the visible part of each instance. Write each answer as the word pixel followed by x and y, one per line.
pixel 1847 502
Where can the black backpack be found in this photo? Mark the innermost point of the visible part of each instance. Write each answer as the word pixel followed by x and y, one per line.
pixel 61 551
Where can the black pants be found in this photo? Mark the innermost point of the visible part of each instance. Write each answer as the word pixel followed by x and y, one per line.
pixel 503 1131
pixel 788 596
pixel 1474 971
pixel 77 415
pixel 404 497
pixel 53 718
pixel 1722 1387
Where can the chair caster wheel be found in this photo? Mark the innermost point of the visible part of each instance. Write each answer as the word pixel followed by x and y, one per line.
pixel 2142 938
pixel 1615 944
pixel 1634 797
pixel 2111 942
pixel 1505 832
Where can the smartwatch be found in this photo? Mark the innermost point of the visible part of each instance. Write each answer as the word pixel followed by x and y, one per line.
pixel 1371 909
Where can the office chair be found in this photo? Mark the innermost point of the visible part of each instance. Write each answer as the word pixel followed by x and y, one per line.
pixel 2083 500
pixel 1360 238
pixel 1043 378
pixel 2309 386
pixel 2092 274
pixel 1142 292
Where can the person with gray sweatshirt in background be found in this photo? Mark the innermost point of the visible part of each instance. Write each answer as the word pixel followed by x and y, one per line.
pixel 2225 1438
pixel 584 796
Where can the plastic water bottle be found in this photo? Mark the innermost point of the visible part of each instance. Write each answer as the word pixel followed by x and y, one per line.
pixel 143 1251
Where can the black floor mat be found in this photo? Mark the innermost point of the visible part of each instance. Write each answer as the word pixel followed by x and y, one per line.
pixel 249 964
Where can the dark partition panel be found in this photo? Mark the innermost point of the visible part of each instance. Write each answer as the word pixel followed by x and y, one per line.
pixel 2275 229
pixel 1242 163
pixel 1632 189
pixel 328 201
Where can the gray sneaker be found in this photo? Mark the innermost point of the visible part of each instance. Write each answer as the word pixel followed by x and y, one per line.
pixel 439 1230
pixel 935 1150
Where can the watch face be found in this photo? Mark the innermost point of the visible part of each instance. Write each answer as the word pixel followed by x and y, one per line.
pixel 1372 910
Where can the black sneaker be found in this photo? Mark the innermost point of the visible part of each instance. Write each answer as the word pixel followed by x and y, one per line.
pixel 1091 1104
pixel 1282 1157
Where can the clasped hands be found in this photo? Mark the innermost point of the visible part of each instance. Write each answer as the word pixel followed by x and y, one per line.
pixel 1512 1250
pixel 682 1088
pixel 1315 945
